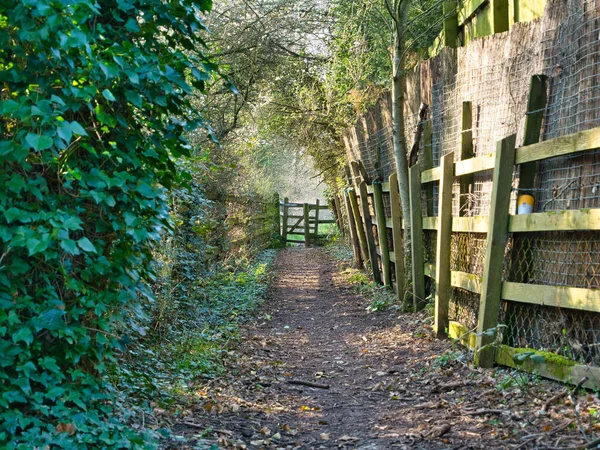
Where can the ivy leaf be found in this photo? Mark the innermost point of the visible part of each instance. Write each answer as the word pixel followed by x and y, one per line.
pixel 39 142
pixel 69 246
pixel 64 131
pixel 36 246
pixel 49 320
pixel 9 106
pixel 86 245
pixel 23 334
pixel 108 95
pixel 78 129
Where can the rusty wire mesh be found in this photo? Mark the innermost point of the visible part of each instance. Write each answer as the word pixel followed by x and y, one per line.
pixel 467 252
pixel 463 307
pixel 570 333
pixel 557 258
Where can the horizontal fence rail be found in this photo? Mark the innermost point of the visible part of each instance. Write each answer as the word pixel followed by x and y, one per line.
pixel 378 232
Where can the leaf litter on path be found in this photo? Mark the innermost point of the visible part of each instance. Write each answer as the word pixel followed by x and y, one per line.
pixel 390 383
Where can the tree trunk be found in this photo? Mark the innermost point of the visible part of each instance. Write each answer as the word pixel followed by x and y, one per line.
pixel 400 150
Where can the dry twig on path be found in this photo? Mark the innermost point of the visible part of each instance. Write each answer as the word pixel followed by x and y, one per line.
pixel 309 384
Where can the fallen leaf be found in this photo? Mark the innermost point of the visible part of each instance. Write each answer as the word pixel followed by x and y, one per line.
pixel 66 428
pixel 347 438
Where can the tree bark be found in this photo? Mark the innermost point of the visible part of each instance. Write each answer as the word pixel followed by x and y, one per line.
pixel 400 149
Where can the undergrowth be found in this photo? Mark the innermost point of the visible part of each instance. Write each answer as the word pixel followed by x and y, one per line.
pixel 379 297
pixel 189 347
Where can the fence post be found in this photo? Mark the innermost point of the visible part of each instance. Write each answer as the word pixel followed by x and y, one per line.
pixel 366 213
pixel 491 285
pixel 533 128
pixel 450 24
pixel 416 241
pixel 426 162
pixel 306 211
pixel 276 217
pixel 284 229
pixel 358 261
pixel 444 236
pixel 317 220
pixel 466 152
pixel 382 233
pixel 499 16
pixel 337 207
pixel 397 236
pixel 360 231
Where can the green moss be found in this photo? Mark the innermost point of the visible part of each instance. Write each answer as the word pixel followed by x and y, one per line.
pixel 554 366
pixel 550 357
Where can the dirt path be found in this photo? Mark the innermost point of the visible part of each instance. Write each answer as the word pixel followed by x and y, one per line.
pixel 391 384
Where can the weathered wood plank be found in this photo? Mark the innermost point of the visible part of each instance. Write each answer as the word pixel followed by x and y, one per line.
pixel 566 220
pixel 558 296
pixel 396 222
pixel 442 255
pixel 564 145
pixel 284 225
pixel 458 331
pixel 553 367
pixel 450 24
pixel 385 187
pixel 366 215
pixel 426 162
pixel 467 281
pixel 466 153
pixel 306 226
pixel 500 22
pixel 468 10
pixel 317 218
pixel 358 257
pixel 491 286
pixel 416 223
pixel 382 234
pixel 360 231
pixel 427 176
pixel 430 223
pixel 474 165
pixel 476 224
pixel 536 105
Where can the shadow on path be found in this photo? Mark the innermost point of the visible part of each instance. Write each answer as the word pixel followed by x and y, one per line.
pixel 391 384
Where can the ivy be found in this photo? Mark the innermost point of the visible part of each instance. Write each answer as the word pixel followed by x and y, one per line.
pixel 94 103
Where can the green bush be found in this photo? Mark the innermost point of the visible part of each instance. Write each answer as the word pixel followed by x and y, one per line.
pixel 94 104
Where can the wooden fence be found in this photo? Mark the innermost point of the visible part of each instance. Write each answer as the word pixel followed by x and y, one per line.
pixel 367 217
pixel 301 219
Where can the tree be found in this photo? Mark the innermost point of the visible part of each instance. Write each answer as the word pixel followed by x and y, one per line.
pixel 95 104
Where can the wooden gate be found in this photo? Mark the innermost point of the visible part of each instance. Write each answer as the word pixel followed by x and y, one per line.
pixel 302 221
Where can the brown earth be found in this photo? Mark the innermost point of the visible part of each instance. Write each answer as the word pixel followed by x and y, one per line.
pixel 391 384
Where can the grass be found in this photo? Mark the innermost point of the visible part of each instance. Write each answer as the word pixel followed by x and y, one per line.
pixel 165 368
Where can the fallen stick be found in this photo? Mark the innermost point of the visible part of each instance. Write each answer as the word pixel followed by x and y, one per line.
pixel 482 412
pixel 551 400
pixel 309 384
pixel 573 394
pixel 591 444
pixel 447 387
pixel 534 437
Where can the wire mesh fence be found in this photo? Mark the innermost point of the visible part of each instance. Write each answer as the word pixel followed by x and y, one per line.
pixel 493 75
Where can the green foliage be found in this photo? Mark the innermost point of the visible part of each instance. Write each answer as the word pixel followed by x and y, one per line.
pixel 165 365
pixel 94 103
pixel 447 358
